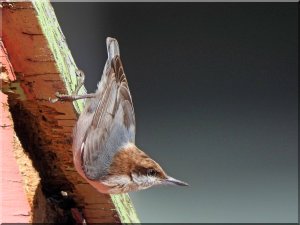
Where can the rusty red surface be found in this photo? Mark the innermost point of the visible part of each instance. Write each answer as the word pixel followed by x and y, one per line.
pixel 14 204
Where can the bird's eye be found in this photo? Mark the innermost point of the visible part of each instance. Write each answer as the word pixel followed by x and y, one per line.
pixel 151 172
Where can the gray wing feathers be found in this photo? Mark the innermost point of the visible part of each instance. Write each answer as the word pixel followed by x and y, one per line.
pixel 108 120
pixel 103 142
pixel 98 152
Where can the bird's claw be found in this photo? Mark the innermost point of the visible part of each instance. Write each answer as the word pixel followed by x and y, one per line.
pixel 81 76
pixel 59 97
pixel 62 97
pixel 53 100
pixel 79 73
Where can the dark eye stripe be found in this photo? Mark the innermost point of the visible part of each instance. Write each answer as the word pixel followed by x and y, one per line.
pixel 151 172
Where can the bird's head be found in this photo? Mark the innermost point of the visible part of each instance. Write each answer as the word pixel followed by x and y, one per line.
pixel 133 170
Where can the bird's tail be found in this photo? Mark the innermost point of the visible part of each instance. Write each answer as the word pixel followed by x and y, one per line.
pixel 112 48
pixel 113 56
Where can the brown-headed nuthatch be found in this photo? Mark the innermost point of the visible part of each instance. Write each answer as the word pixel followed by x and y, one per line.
pixel 104 147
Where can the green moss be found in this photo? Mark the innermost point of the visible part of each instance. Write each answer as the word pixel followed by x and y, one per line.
pixel 125 208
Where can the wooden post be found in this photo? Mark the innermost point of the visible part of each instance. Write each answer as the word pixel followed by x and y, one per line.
pixel 42 65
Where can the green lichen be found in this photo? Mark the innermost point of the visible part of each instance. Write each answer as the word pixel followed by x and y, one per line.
pixel 124 205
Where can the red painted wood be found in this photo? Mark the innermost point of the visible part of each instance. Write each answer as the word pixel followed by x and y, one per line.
pixel 14 204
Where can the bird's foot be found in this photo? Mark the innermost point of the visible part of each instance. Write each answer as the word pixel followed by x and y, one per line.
pixel 74 96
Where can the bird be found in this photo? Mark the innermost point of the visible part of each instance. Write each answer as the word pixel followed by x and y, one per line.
pixel 104 149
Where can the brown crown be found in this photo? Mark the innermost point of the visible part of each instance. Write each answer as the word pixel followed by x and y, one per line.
pixel 130 160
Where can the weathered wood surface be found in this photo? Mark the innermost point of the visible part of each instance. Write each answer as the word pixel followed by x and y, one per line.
pixel 43 65
pixel 11 183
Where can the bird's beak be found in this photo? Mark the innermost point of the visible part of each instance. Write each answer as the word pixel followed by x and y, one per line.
pixel 173 181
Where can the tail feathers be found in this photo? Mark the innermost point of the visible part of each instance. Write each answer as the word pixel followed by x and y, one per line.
pixel 112 48
pixel 113 52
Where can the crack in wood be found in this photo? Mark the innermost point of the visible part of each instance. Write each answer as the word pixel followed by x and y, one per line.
pixel 40 74
pixel 40 60
pixel 4 126
pixel 32 34
pixel 15 181
pixel 21 214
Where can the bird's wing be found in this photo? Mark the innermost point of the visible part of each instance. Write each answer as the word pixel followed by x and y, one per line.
pixel 113 121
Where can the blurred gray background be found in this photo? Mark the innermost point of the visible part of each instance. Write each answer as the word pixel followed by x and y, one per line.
pixel 215 92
